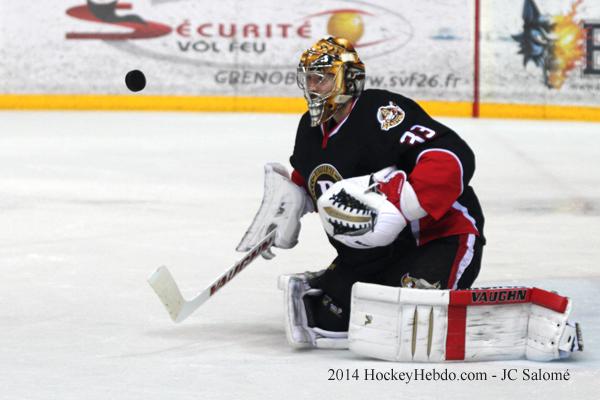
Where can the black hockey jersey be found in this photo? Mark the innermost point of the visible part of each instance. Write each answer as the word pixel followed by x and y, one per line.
pixel 385 129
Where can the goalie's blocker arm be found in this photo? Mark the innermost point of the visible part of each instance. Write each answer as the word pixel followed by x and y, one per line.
pixel 282 206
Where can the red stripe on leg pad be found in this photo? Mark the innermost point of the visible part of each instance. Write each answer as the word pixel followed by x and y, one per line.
pixel 457 323
pixel 553 301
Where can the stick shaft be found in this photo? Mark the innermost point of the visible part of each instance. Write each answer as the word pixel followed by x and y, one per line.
pixel 169 294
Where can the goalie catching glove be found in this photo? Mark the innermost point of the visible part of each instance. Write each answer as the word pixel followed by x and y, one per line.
pixel 369 211
pixel 283 204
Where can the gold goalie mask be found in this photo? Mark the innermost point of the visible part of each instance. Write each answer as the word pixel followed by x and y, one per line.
pixel 330 74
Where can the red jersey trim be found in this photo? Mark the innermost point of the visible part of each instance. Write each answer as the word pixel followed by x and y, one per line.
pixel 464 256
pixel 457 221
pixel 328 134
pixel 298 179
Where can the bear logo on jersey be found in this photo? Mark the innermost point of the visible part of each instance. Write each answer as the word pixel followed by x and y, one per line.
pixel 390 116
pixel 322 178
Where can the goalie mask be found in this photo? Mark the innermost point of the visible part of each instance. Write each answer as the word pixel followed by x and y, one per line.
pixel 330 74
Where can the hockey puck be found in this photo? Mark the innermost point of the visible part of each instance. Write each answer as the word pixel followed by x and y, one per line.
pixel 135 80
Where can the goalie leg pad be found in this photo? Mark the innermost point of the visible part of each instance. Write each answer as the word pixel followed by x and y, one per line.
pixel 403 324
pixel 550 335
pixel 299 335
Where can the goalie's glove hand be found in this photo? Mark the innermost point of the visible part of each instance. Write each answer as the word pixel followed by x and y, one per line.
pixel 356 213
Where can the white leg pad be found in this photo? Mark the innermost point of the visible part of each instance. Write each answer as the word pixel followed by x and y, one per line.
pixel 297 331
pixel 404 324
pixel 548 332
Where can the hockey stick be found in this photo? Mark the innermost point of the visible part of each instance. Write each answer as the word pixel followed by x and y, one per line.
pixel 179 308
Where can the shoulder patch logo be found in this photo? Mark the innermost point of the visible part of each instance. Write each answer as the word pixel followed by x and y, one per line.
pixel 390 116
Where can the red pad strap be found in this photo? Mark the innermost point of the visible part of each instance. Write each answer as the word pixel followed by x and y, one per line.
pixel 486 297
pixel 553 301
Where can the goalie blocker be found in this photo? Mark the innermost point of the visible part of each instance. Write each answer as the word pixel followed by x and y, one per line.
pixel 282 206
pixel 403 324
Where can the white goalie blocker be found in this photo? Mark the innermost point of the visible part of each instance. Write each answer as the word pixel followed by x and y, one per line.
pixel 282 206
pixel 404 324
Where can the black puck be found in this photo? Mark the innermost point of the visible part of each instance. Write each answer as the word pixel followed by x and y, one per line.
pixel 135 80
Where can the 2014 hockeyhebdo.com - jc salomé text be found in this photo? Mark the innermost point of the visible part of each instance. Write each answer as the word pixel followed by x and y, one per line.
pixel 446 375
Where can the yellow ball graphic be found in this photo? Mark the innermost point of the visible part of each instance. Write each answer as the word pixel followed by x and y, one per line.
pixel 347 25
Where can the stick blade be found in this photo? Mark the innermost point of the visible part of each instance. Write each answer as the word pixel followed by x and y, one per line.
pixel 167 291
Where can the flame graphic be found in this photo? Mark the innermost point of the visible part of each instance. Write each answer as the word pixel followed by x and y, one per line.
pixel 568 47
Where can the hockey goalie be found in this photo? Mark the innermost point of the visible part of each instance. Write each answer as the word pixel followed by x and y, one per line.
pixel 391 187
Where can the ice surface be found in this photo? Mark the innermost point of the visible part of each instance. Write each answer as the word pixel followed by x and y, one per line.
pixel 92 203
